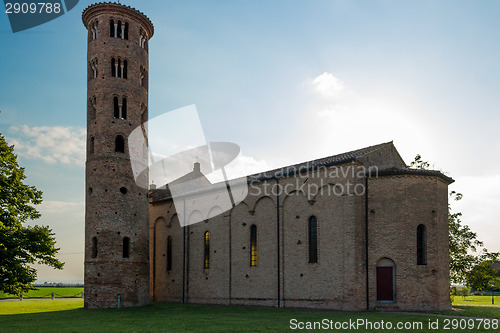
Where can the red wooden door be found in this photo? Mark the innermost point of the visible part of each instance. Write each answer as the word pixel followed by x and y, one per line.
pixel 385 284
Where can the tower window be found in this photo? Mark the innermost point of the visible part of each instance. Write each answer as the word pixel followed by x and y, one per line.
pixel 112 28
pixel 253 245
pixel 92 108
pixel 119 144
pixel 206 252
pixel 118 29
pixel 120 108
pixel 144 77
pixel 143 39
pixel 94 247
pixel 119 68
pixel 93 31
pixel 126 247
pixel 421 245
pixel 313 239
pixel 169 253
pixel 93 72
pixel 124 69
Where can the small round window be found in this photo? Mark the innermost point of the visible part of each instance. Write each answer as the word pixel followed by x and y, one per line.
pixel 123 190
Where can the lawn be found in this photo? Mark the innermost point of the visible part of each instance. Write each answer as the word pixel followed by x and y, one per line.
pixel 68 316
pixel 476 300
pixel 45 292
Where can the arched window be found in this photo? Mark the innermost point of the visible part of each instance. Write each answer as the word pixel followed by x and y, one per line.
pixel 124 109
pixel 125 33
pixel 421 245
pixel 93 71
pixel 206 252
pixel 126 247
pixel 120 108
pixel 91 145
pixel 169 253
pixel 119 144
pixel 120 68
pixel 120 29
pixel 112 28
pixel 94 247
pixel 253 245
pixel 124 71
pixel 116 108
pixel 313 239
pixel 91 107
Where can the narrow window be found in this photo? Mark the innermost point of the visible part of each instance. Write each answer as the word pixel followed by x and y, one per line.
pixel 91 145
pixel 113 67
pixel 119 144
pixel 421 245
pixel 124 109
pixel 119 29
pixel 124 69
pixel 169 253
pixel 126 247
pixel 120 68
pixel 94 247
pixel 253 245
pixel 206 256
pixel 313 239
pixel 111 28
pixel 126 30
pixel 116 107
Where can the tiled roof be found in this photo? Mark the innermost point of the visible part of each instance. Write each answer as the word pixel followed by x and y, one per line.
pixel 325 161
pixel 418 172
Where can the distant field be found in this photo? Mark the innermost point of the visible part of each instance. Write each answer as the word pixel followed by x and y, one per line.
pixel 476 300
pixel 45 292
pixel 67 315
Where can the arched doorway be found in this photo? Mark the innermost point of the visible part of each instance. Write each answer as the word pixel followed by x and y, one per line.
pixel 385 280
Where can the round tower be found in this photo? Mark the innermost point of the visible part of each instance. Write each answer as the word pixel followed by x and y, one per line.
pixel 117 212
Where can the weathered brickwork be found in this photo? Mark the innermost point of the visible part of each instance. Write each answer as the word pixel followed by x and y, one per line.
pixel 396 203
pixel 116 208
pixel 366 206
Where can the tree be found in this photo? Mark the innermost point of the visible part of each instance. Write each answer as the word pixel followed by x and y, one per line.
pixel 481 275
pixel 20 245
pixel 463 241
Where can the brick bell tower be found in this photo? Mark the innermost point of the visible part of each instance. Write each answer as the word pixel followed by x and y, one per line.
pixel 117 213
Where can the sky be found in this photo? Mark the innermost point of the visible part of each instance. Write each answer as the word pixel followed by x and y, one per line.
pixel 288 81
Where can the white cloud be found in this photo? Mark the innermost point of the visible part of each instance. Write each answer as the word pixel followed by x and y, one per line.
pixel 328 85
pixel 56 144
pixel 58 207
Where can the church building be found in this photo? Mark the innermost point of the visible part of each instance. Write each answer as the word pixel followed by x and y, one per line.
pixel 355 231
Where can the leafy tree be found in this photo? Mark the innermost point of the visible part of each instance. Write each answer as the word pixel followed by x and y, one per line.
pixel 494 284
pixel 463 241
pixel 418 163
pixel 20 245
pixel 480 276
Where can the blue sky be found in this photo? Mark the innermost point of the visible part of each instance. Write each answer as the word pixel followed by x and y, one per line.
pixel 288 81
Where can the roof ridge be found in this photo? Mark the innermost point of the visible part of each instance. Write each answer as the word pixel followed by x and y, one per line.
pixel 332 159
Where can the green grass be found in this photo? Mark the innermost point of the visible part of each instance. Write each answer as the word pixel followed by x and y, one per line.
pixel 45 292
pixel 476 300
pixel 68 316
